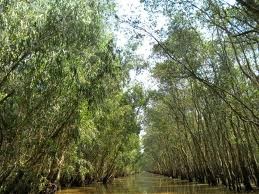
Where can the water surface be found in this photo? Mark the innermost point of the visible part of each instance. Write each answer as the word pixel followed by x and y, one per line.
pixel 146 183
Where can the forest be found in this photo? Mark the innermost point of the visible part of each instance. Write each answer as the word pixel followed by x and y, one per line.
pixel 69 115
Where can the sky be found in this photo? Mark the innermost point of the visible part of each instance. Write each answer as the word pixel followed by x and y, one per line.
pixel 134 9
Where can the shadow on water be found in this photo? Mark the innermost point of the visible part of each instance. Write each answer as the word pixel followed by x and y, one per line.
pixel 146 183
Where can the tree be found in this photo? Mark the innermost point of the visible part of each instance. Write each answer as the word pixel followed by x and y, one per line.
pixel 208 86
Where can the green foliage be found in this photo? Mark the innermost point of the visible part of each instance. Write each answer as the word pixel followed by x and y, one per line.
pixel 202 123
pixel 62 117
pixel 108 145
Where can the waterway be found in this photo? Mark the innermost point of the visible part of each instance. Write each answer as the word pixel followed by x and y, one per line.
pixel 146 183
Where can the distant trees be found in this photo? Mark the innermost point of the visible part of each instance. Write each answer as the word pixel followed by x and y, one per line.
pixel 206 110
pixel 108 146
pixel 63 117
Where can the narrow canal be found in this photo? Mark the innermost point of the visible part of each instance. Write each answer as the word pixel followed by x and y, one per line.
pixel 146 183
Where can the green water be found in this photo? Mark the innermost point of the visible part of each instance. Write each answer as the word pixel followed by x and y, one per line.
pixel 146 183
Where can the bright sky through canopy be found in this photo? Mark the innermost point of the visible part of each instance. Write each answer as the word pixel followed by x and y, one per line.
pixel 133 9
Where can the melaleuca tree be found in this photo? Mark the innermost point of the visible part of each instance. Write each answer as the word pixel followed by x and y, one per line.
pixel 108 145
pixel 54 56
pixel 208 81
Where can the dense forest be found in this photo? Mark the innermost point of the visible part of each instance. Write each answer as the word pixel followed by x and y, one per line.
pixel 69 115
pixel 65 115
pixel 203 122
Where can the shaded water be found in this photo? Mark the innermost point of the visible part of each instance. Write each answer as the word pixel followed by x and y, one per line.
pixel 146 183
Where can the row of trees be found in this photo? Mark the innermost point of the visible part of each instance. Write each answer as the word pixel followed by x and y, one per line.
pixel 202 124
pixel 65 118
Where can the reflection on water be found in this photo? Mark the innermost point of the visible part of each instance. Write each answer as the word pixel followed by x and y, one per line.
pixel 146 183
